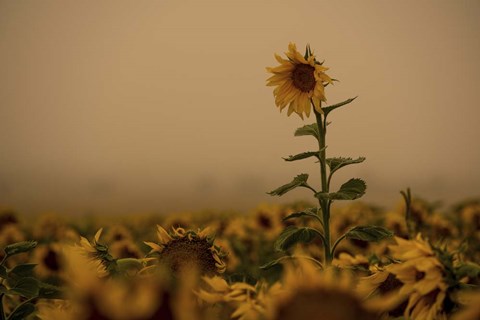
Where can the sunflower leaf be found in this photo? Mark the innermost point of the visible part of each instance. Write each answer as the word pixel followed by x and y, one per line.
pixel 339 162
pixel 327 110
pixel 19 247
pixel 298 181
pixel 22 311
pixel 308 130
pixel 469 269
pixel 23 270
pixel 26 287
pixel 311 212
pixel 274 263
pixel 48 291
pixel 350 190
pixel 292 235
pixel 368 233
pixel 303 155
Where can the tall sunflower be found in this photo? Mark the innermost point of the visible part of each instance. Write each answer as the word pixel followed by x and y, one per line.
pixel 299 80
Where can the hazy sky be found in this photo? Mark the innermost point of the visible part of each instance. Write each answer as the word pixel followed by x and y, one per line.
pixel 127 106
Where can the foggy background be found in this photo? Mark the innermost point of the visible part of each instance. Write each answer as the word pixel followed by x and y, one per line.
pixel 140 106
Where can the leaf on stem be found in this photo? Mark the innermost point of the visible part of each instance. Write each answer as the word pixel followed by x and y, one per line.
pixel 26 287
pixel 311 212
pixel 308 130
pixel 23 270
pixel 22 312
pixel 292 235
pixel 303 155
pixel 339 162
pixel 19 247
pixel 327 110
pixel 350 190
pixel 298 181
pixel 3 272
pixel 368 233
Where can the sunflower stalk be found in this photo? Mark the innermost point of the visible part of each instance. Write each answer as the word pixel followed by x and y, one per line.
pixel 324 203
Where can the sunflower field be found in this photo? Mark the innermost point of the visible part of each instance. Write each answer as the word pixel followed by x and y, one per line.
pixel 300 260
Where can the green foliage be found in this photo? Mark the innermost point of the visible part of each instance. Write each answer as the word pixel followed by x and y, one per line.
pixel 19 247
pixel 23 270
pixel 469 269
pixel 311 212
pixel 339 162
pixel 350 190
pixel 3 272
pixel 308 130
pixel 48 291
pixel 22 311
pixel 303 155
pixel 298 181
pixel 292 235
pixel 368 233
pixel 274 263
pixel 327 110
pixel 26 287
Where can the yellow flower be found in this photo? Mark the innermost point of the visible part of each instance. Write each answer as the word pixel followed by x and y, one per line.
pixel 185 249
pixel 49 260
pixel 422 276
pixel 299 82
pixel 94 255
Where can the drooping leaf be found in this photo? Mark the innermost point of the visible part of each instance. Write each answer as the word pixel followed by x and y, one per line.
pixel 350 190
pixel 292 235
pixel 311 212
pixel 19 247
pixel 368 233
pixel 22 312
pixel 308 130
pixel 26 287
pixel 298 181
pixel 23 270
pixel 339 162
pixel 303 155
pixel 328 109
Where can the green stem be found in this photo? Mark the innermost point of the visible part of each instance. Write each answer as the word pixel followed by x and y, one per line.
pixel 324 204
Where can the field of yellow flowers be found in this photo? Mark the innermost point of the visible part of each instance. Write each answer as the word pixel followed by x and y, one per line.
pixel 211 265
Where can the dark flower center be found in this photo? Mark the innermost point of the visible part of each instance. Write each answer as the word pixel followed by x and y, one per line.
pixel 51 261
pixel 303 77
pixel 183 253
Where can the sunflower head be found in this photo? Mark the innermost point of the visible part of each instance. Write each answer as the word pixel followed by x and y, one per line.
pixel 182 249
pixel 300 81
pixel 309 292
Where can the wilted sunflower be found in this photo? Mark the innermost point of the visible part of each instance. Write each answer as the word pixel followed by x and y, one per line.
pixel 183 249
pixel 299 80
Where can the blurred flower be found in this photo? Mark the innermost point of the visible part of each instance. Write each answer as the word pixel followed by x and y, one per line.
pixel 308 292
pixel 186 249
pixel 49 260
pixel 422 276
pixel 96 253
pixel 471 309
pixel 298 80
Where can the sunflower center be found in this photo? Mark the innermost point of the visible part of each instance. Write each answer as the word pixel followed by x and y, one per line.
pixel 303 77
pixel 51 261
pixel 183 253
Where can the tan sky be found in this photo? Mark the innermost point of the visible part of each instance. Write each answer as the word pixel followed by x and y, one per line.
pixel 126 106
